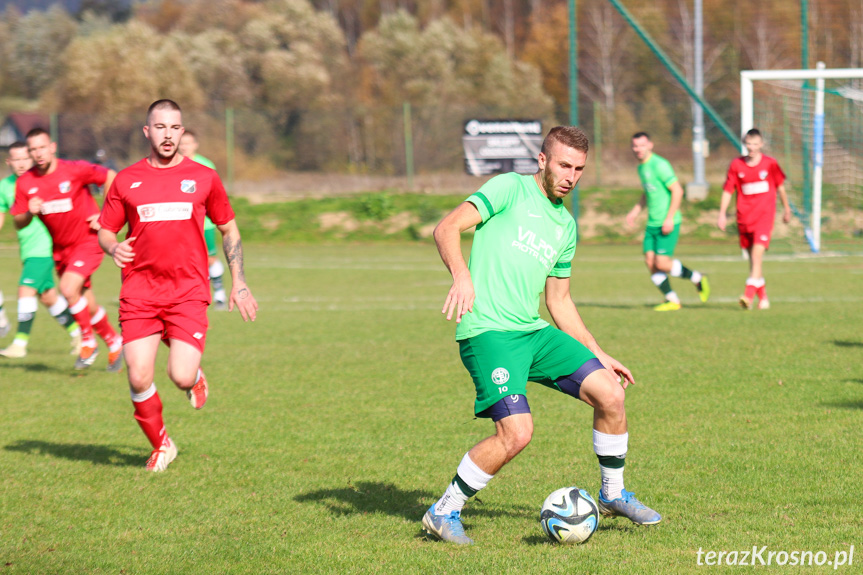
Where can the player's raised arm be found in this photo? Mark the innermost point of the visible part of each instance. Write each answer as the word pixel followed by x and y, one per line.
pixel 241 295
pixel 447 237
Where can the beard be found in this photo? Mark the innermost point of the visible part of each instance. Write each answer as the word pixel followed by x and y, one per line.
pixel 166 155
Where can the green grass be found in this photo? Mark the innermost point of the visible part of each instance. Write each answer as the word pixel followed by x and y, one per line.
pixel 339 416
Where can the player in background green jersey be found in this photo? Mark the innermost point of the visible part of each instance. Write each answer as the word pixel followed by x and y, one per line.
pixel 189 148
pixel 662 196
pixel 524 243
pixel 37 276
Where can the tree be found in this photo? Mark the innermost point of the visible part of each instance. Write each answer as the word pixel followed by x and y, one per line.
pixel 604 61
pixel 34 50
pixel 109 80
pixel 218 61
pixel 295 55
pixel 448 75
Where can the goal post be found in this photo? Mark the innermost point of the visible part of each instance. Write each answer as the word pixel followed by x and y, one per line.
pixel 791 118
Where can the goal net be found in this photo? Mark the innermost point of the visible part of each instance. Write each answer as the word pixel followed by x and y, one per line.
pixel 812 122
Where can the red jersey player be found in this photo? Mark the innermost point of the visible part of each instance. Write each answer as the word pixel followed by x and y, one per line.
pixel 58 192
pixel 166 291
pixel 756 178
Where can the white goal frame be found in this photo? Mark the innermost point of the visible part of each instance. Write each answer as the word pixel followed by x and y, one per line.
pixel 821 73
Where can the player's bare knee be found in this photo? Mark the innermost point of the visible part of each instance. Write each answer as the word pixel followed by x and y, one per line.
pixel 70 292
pixel 181 379
pixel 517 442
pixel 140 378
pixel 611 398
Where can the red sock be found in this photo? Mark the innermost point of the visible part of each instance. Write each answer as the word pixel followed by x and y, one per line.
pixel 82 316
pixel 750 292
pixel 149 416
pixel 102 327
pixel 762 292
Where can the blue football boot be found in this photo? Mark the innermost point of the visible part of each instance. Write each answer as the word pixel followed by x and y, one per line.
pixel 446 527
pixel 628 506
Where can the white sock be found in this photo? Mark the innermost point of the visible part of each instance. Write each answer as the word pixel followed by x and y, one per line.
pixel 27 306
pixel 454 497
pixel 97 317
pixel 79 306
pixel 217 269
pixel 116 345
pixel 606 445
pixel 219 295
pixel 696 277
pixel 59 306
pixel 144 395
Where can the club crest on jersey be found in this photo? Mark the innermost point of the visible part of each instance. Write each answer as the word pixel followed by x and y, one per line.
pixel 499 376
pixel 762 174
pixel 65 187
pixel 558 232
pixel 187 186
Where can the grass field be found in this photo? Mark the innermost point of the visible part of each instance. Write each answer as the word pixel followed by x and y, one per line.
pixel 339 416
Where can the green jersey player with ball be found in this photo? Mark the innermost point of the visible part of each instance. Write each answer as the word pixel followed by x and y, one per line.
pixel 524 243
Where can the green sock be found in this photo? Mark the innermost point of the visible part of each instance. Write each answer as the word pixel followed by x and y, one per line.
pixel 65 319
pixel 25 324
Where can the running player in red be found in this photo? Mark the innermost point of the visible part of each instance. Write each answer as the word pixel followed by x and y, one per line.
pixel 756 178
pixel 166 291
pixel 58 192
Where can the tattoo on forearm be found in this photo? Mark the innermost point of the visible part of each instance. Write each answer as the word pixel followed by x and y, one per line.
pixel 234 255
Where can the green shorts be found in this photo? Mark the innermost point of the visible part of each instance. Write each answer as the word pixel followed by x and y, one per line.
pixel 210 238
pixel 659 244
pixel 38 273
pixel 501 363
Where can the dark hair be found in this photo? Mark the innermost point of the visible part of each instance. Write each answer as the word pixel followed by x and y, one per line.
pixel 163 104
pixel 637 135
pixel 188 132
pixel 753 132
pixel 569 136
pixel 17 144
pixel 36 132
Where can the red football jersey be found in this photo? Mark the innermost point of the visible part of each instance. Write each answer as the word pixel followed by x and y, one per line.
pixel 67 200
pixel 165 210
pixel 756 187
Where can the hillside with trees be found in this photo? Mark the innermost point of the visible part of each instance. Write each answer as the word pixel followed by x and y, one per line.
pixel 321 85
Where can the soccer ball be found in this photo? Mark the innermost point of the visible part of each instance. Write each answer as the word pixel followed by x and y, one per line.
pixel 569 515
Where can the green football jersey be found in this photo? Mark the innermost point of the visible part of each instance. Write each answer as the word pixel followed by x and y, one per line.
pixel 208 223
pixel 34 241
pixel 656 175
pixel 523 239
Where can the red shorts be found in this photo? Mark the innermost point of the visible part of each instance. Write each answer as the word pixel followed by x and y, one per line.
pixel 759 233
pixel 82 259
pixel 186 321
